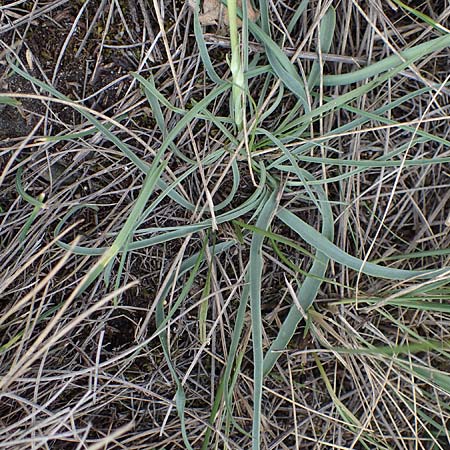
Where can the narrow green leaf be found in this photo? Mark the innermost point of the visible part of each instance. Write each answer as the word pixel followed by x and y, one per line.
pixel 255 279
pixel 317 240
pixel 310 286
pixel 390 63
pixel 326 32
pixel 5 100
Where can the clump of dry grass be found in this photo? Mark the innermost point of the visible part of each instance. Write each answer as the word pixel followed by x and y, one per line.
pixel 152 346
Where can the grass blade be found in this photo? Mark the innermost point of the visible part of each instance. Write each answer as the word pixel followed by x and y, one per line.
pixel 317 240
pixel 255 275
pixel 309 288
pixel 326 32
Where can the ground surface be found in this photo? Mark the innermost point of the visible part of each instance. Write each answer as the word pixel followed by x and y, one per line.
pixel 105 363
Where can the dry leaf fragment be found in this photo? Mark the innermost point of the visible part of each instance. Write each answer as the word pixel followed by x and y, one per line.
pixel 215 13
